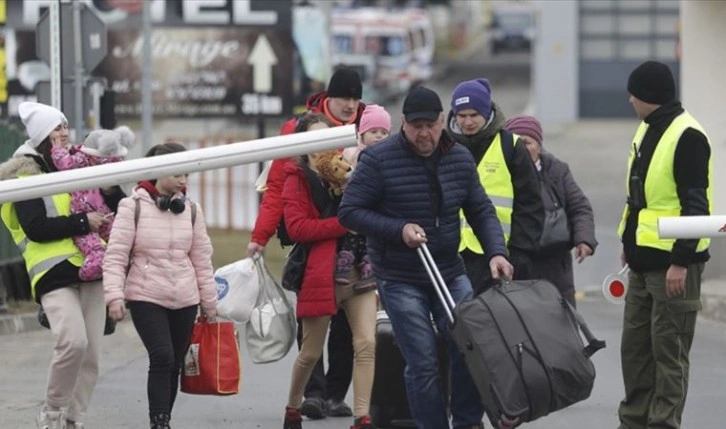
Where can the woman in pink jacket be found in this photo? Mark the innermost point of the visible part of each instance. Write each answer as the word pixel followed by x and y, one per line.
pixel 160 238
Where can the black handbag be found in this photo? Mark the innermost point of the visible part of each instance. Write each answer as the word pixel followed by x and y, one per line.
pixel 556 234
pixel 294 268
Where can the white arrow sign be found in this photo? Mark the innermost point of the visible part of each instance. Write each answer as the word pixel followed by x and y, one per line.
pixel 262 58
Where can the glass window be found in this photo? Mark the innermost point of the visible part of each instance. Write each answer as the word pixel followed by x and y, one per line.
pixel 635 4
pixel 385 45
pixel 597 4
pixel 598 24
pixel 513 20
pixel 665 49
pixel 343 44
pixel 634 24
pixel 672 5
pixel 635 49
pixel 666 24
pixel 597 49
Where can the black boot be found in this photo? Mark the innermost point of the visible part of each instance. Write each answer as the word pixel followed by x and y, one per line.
pixel 159 421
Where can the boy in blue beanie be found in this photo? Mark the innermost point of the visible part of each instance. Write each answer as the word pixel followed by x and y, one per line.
pixel 507 173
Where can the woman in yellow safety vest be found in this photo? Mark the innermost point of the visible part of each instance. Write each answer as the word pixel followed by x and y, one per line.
pixel 43 229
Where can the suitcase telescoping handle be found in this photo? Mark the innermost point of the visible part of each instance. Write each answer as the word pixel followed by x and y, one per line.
pixel 439 285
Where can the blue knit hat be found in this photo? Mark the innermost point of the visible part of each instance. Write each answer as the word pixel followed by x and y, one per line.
pixel 473 94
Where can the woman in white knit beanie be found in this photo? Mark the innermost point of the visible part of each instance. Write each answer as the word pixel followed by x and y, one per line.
pixel 43 229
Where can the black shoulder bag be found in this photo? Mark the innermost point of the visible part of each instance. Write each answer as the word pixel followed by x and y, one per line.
pixel 556 235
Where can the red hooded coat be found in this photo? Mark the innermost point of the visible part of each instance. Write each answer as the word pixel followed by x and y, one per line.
pixel 304 225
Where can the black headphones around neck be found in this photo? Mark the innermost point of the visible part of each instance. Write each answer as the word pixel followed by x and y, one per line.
pixel 174 205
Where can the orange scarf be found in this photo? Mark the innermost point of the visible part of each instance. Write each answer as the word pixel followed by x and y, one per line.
pixel 336 122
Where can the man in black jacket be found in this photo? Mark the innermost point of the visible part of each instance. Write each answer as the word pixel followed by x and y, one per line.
pixel 408 190
pixel 669 174
pixel 507 173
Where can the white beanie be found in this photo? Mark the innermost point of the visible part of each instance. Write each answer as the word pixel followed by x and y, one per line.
pixel 39 120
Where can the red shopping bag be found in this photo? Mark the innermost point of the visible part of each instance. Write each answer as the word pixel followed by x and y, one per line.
pixel 212 362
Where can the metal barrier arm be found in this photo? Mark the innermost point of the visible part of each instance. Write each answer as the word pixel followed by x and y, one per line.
pixel 177 163
pixel 692 227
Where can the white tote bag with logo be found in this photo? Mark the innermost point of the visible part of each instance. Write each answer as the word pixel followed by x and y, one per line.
pixel 238 286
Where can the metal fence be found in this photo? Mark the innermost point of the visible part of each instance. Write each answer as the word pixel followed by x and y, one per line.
pixel 227 195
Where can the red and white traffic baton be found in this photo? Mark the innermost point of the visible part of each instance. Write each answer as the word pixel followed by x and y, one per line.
pixel 615 286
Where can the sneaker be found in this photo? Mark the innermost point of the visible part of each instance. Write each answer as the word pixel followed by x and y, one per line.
pixel 293 419
pixel 313 408
pixel 363 422
pixel 338 409
pixel 49 419
pixel 70 424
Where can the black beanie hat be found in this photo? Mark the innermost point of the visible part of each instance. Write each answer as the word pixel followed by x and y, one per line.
pixel 345 83
pixel 652 82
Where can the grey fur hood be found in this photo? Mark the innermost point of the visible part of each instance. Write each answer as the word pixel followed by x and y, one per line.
pixel 21 163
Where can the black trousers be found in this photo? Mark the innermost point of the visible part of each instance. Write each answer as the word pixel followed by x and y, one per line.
pixel 333 385
pixel 166 335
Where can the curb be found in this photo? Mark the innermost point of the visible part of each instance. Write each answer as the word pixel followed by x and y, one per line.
pixel 19 323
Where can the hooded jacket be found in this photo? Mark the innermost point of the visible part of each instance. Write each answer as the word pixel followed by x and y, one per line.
pixel 527 210
pixel 304 224
pixel 168 259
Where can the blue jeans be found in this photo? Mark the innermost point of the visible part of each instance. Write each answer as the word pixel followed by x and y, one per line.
pixel 409 307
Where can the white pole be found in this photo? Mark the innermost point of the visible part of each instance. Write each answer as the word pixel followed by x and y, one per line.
pixel 692 227
pixel 55 55
pixel 146 77
pixel 229 155
pixel 79 111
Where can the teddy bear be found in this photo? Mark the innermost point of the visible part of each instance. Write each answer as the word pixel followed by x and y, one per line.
pixel 352 255
pixel 99 147
pixel 334 169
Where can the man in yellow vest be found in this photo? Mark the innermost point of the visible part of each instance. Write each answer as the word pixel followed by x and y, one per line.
pixel 508 175
pixel 669 174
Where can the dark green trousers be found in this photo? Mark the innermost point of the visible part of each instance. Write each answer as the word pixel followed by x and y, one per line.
pixel 657 337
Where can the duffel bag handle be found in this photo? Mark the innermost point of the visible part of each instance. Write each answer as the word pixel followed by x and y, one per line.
pixel 438 281
pixel 593 344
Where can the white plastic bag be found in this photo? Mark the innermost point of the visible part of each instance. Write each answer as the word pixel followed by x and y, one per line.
pixel 261 182
pixel 238 286
pixel 272 327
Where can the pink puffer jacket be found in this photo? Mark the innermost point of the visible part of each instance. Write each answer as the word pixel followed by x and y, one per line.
pixel 171 260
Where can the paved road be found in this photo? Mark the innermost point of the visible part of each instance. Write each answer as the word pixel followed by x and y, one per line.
pixel 119 402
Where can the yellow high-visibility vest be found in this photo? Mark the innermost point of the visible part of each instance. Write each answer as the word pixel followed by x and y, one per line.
pixel 41 257
pixel 661 198
pixel 497 181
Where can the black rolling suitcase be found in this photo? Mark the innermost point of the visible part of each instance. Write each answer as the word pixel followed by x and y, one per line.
pixel 389 403
pixel 522 345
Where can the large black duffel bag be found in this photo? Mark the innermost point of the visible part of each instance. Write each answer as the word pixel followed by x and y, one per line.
pixel 522 345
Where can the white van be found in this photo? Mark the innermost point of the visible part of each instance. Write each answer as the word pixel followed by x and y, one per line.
pixel 400 42
pixel 421 33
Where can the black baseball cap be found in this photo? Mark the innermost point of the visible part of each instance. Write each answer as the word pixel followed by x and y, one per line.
pixel 422 103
